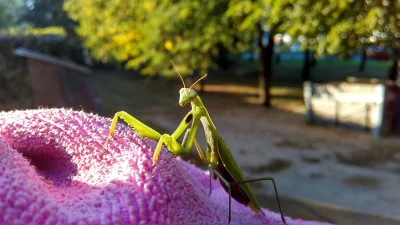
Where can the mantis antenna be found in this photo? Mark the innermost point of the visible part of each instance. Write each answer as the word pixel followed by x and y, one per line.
pixel 201 78
pixel 178 73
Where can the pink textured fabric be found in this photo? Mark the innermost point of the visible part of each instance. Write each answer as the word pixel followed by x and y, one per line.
pixel 120 187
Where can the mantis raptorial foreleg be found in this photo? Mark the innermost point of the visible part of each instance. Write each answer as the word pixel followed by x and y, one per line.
pixel 141 128
pixel 168 140
pixel 196 143
pixel 185 136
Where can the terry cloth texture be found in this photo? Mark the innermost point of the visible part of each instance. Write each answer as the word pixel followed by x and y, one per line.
pixel 119 187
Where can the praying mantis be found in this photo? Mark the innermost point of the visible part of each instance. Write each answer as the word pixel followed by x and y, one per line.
pixel 218 157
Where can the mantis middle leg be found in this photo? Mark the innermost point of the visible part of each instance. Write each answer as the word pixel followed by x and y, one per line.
pixel 170 140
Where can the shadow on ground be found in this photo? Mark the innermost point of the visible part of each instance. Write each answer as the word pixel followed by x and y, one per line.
pixel 311 210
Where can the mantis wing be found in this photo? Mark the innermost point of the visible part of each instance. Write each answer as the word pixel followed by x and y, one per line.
pixel 234 170
pixel 229 162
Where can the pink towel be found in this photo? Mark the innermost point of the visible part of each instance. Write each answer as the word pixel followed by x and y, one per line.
pixel 120 187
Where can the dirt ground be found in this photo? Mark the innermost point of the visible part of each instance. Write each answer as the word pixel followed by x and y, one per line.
pixel 335 166
pixel 347 168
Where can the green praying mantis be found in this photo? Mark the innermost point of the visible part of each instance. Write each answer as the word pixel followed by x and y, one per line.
pixel 218 157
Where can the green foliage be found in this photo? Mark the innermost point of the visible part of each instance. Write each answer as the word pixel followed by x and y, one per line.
pixel 31 31
pixel 15 84
pixel 251 17
pixel 147 34
pixel 50 40
pixel 46 13
pixel 47 17
pixel 342 26
pixel 8 13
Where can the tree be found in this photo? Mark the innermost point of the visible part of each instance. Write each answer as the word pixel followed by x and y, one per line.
pixel 254 19
pixel 343 26
pixel 146 35
pixel 8 13
pixel 311 20
pixel 363 60
pixel 394 70
pixel 50 13
pixel 46 13
pixel 375 23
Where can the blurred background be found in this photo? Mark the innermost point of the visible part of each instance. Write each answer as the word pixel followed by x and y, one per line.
pixel 305 91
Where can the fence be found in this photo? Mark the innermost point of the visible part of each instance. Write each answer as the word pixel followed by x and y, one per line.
pixel 59 83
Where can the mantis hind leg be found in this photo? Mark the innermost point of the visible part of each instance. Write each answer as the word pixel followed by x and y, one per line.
pixel 134 123
pixel 230 184
pixel 275 189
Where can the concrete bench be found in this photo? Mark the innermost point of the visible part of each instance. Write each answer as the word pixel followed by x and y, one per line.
pixel 368 106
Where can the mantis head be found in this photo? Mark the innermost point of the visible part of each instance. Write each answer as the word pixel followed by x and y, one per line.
pixel 186 95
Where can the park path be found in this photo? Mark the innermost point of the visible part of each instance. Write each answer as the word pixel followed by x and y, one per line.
pixel 332 165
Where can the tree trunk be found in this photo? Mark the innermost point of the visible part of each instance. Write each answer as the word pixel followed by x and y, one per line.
pixel 395 68
pixel 313 60
pixel 363 61
pixel 278 53
pixel 305 76
pixel 265 73
pixel 278 59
